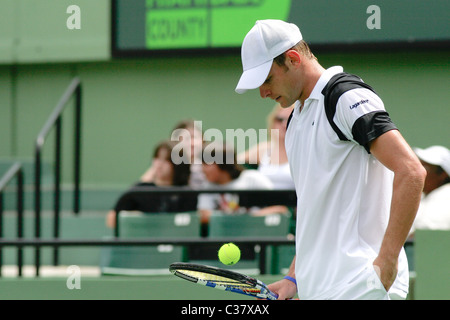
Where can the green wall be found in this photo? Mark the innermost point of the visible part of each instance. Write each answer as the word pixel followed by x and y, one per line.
pixel 131 104
pixel 36 31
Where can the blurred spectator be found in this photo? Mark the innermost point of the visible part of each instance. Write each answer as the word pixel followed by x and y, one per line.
pixel 162 173
pixel 271 158
pixel 434 209
pixel 270 155
pixel 222 172
pixel 189 132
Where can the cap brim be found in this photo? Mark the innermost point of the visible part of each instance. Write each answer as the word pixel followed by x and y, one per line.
pixel 253 78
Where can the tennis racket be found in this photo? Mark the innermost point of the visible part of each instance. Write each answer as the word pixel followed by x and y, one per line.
pixel 222 279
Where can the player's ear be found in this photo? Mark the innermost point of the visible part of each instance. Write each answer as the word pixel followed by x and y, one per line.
pixel 293 58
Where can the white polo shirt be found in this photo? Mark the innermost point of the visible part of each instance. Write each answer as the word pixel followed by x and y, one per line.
pixel 343 192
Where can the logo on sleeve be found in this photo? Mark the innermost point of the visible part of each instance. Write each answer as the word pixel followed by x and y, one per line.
pixel 353 106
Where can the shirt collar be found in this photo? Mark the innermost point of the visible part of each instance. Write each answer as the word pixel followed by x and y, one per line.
pixel 316 93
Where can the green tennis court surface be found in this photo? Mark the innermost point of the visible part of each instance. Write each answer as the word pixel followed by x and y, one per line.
pixel 114 288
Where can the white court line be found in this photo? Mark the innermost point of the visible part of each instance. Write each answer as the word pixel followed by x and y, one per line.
pixel 48 271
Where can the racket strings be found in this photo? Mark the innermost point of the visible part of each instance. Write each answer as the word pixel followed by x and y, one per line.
pixel 215 278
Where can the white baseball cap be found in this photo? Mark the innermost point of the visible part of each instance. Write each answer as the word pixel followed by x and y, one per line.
pixel 436 155
pixel 264 42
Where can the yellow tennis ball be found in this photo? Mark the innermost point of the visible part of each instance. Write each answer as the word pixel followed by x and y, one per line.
pixel 229 254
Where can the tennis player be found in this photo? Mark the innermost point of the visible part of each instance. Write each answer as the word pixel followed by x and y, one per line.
pixel 358 182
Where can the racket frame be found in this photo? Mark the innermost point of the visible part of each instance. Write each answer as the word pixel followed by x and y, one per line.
pixel 255 288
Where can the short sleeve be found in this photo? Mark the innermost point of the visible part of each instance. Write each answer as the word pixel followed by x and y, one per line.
pixel 361 116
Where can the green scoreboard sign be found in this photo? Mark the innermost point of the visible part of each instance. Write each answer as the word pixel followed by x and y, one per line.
pixel 153 25
pixel 205 23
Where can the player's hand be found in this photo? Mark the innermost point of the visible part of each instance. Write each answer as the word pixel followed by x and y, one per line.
pixel 285 289
pixel 386 270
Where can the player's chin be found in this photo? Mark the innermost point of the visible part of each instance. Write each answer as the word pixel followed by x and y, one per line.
pixel 282 102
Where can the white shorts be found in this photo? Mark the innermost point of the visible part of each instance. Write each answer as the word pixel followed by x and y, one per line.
pixel 365 286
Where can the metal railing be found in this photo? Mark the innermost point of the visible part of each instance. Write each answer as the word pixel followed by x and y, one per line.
pixel 247 198
pixel 55 121
pixel 15 170
pixel 188 242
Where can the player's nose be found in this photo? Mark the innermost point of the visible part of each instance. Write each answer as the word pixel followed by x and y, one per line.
pixel 264 91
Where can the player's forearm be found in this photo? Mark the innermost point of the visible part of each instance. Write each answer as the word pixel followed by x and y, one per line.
pixel 395 154
pixel 408 186
pixel 291 271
